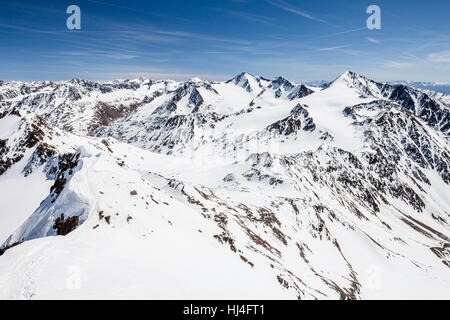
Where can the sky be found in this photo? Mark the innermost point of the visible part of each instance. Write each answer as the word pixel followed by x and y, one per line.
pixel 215 40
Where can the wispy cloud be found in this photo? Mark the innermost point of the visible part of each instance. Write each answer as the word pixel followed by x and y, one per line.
pixel 400 64
pixel 128 8
pixel 332 48
pixel 287 7
pixel 28 29
pixel 143 32
pixel 443 56
pixel 440 60
pixel 343 32
pixel 250 17
pixel 373 40
pixel 100 54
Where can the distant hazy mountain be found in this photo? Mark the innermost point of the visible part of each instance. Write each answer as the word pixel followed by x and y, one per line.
pixel 433 86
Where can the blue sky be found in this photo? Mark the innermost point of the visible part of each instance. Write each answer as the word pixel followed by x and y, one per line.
pixel 301 40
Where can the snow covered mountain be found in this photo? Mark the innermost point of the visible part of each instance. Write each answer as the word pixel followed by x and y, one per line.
pixel 249 188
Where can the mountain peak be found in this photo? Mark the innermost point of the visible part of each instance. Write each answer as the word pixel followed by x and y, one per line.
pixel 195 79
pixel 246 81
pixel 281 80
pixel 349 75
pixel 352 79
pixel 242 75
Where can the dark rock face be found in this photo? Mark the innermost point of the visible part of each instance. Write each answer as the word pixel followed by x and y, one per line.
pixel 64 226
pixel 278 93
pixel 299 92
pixel 425 108
pixel 196 99
pixel 67 163
pixel 281 82
pixel 400 95
pixel 299 119
pixel 261 159
pixel 394 133
pixel 105 114
pixel 229 178
pixel 3 249
pixel 242 81
pixel 12 151
pixel 443 253
pixel 258 175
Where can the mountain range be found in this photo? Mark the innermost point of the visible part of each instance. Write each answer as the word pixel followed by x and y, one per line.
pixel 246 188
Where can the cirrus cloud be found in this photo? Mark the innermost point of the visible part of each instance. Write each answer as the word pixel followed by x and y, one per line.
pixel 443 56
